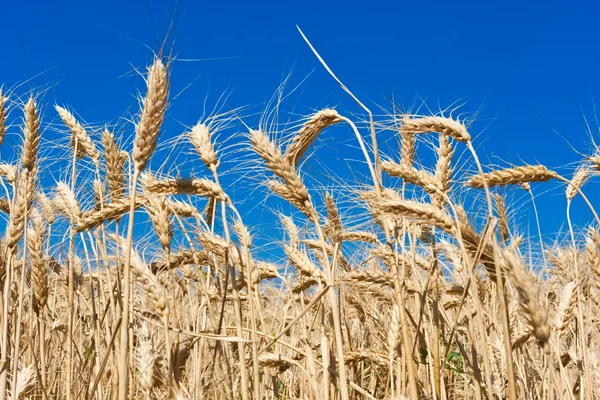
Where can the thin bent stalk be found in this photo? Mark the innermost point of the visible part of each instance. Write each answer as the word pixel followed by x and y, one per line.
pixel 124 339
pixel 238 310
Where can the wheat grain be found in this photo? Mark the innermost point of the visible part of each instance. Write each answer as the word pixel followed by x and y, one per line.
pixel 407 149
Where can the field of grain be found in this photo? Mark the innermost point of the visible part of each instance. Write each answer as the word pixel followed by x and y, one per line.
pixel 412 283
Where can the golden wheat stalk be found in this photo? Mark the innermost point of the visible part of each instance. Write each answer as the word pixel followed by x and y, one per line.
pixel 441 125
pixel 360 236
pixel 146 360
pixel 412 209
pixel 292 189
pixel 526 287
pixel 3 116
pixel 115 162
pixel 201 139
pixel 27 178
pixel 39 274
pixel 9 172
pixel 194 186
pixel 303 264
pixel 159 214
pixel 566 306
pixel 309 132
pixel 443 167
pixel 334 224
pixel 502 218
pixel 513 176
pixel 85 145
pixel 153 114
pixel 66 203
pixel 32 135
pixel 407 149
pixel 411 175
pixel 579 178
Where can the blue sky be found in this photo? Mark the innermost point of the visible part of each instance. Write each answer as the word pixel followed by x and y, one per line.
pixel 529 68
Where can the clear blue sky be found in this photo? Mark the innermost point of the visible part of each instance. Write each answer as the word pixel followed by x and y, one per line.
pixel 530 68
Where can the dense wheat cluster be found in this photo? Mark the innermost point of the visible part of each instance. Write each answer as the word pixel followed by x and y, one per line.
pixel 411 283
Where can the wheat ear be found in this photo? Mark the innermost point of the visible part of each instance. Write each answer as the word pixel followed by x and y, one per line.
pixel 147 130
pixel 412 209
pixel 3 116
pixel 411 175
pixel 525 285
pixel 441 125
pixel 309 132
pixel 566 306
pixel 334 223
pixel 158 212
pixel 85 146
pixel 146 360
pixel 502 218
pixel 153 114
pixel 26 186
pixel 9 172
pixel 115 162
pixel 513 176
pixel 39 274
pixel 201 139
pixel 443 169
pixel 579 178
pixel 195 186
pixel 292 189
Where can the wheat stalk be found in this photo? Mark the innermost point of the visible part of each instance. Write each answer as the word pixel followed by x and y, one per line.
pixel 502 218
pixel 412 209
pixel 309 131
pixel 115 162
pixel 292 188
pixel 201 139
pixel 171 186
pixel 3 116
pixel 85 146
pixel 579 178
pixel 9 172
pixel 535 313
pixel 411 175
pixel 159 214
pixel 153 114
pixel 441 125
pixel 513 176
pixel 39 274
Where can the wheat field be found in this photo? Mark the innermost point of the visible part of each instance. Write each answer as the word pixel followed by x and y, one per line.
pixel 412 283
